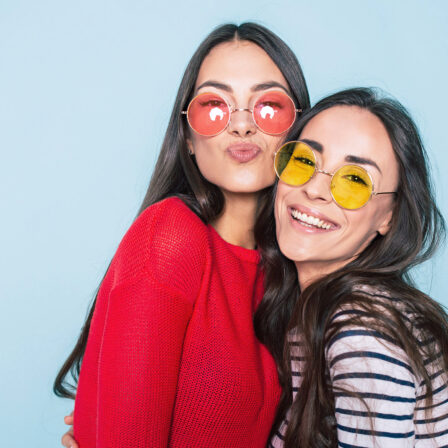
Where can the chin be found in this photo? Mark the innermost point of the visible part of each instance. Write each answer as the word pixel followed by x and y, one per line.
pixel 247 186
pixel 285 249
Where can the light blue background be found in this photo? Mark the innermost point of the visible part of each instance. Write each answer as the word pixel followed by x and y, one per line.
pixel 86 90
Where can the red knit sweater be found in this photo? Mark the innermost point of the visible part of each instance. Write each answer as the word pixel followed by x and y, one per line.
pixel 172 358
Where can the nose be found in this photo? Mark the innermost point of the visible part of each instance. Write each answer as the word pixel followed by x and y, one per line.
pixel 318 187
pixel 241 123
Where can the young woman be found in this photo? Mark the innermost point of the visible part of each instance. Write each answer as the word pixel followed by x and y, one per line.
pixel 367 352
pixel 169 353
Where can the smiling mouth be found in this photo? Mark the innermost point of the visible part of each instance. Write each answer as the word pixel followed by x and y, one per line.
pixel 311 221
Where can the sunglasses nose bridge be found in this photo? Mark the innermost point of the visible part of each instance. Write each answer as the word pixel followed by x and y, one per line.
pixel 240 109
pixel 316 189
pixel 327 173
pixel 241 125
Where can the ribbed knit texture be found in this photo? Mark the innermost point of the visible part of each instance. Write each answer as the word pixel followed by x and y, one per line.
pixel 172 358
pixel 363 361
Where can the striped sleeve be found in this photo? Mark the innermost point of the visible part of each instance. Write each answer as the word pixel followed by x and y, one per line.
pixel 361 362
pixel 379 401
pixel 431 422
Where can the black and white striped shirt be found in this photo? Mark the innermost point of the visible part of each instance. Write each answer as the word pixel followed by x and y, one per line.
pixel 362 361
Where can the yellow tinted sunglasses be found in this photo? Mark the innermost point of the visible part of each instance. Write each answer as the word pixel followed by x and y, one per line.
pixel 351 185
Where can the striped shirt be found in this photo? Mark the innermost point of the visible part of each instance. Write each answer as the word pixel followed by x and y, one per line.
pixel 363 361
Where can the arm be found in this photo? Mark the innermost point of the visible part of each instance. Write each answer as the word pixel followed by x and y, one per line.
pixel 137 336
pixel 378 371
pixel 139 364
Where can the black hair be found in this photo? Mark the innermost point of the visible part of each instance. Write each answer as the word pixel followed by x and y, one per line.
pixel 417 228
pixel 176 173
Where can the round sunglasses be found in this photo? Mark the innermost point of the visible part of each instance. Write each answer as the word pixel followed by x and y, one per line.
pixel 208 113
pixel 351 185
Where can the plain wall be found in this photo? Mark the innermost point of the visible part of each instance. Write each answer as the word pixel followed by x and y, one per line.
pixel 86 90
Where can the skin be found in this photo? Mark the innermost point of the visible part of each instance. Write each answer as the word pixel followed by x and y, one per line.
pixel 67 439
pixel 341 132
pixel 239 71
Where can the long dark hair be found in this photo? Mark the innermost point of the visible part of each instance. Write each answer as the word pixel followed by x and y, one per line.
pixel 416 230
pixel 176 173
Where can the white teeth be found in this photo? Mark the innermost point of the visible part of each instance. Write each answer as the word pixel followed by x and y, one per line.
pixel 310 220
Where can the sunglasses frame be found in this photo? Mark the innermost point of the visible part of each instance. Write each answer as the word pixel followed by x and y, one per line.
pixel 234 109
pixel 327 173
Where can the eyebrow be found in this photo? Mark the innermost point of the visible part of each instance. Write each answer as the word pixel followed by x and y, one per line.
pixel 350 158
pixel 362 161
pixel 217 85
pixel 315 145
pixel 269 85
pixel 256 88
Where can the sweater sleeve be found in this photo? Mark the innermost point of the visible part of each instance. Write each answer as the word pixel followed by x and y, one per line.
pixel 156 276
pixel 378 372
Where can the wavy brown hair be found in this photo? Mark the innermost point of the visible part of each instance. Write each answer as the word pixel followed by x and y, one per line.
pixel 416 230
pixel 176 172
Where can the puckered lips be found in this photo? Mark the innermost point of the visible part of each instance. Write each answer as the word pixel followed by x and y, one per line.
pixel 308 220
pixel 243 152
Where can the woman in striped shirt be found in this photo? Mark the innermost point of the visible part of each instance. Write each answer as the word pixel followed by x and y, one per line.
pixel 367 352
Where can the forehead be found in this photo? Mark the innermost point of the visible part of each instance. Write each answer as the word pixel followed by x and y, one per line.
pixel 239 63
pixel 350 130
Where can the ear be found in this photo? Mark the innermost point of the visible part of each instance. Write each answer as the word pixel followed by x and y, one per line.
pixel 190 146
pixel 385 223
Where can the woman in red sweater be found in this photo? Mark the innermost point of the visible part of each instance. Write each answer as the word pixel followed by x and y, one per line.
pixel 169 353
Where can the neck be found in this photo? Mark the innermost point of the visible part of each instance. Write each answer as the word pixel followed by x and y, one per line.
pixel 236 222
pixel 312 271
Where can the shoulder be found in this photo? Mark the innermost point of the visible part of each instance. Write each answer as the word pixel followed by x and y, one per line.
pixel 369 372
pixel 167 242
pixel 371 307
pixel 361 340
pixel 170 217
pixel 355 347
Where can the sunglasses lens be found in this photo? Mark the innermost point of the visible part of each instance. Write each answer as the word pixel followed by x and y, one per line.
pixel 274 112
pixel 295 163
pixel 208 114
pixel 351 187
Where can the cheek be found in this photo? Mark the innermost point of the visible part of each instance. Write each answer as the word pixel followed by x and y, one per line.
pixel 276 209
pixel 286 238
pixel 206 168
pixel 362 229
pixel 267 171
pixel 206 156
